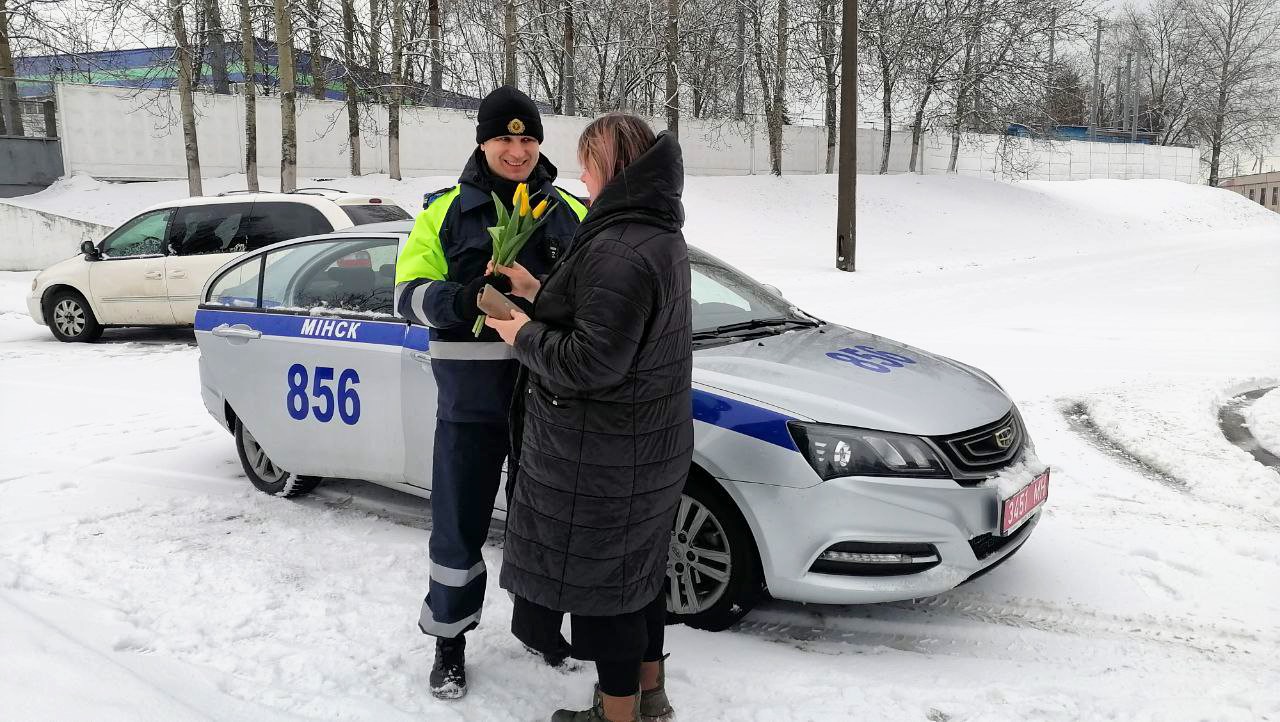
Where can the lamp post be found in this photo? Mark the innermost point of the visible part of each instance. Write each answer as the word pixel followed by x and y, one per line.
pixel 846 195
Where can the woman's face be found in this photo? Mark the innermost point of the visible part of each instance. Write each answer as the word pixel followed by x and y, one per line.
pixel 589 178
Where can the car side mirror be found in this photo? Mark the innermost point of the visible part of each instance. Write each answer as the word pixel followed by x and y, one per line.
pixel 90 250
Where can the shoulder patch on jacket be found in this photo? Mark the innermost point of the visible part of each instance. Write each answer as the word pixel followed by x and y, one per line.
pixel 428 198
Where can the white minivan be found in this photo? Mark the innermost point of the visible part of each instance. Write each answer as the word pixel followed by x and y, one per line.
pixel 149 271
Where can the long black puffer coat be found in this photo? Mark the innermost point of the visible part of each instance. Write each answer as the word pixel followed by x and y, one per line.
pixel 608 428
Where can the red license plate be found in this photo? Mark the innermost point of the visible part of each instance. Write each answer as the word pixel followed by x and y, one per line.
pixel 1015 509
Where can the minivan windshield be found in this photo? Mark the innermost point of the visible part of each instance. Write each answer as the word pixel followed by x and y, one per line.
pixel 728 305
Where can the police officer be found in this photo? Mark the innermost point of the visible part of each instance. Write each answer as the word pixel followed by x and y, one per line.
pixel 440 272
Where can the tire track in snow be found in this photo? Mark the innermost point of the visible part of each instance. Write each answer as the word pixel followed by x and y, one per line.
pixel 1232 422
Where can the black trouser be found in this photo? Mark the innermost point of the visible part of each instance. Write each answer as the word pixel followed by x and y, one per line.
pixel 621 678
pixel 465 477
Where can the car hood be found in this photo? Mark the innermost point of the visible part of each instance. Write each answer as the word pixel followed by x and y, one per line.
pixel 794 372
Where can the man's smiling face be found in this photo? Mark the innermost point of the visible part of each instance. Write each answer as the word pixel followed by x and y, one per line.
pixel 512 156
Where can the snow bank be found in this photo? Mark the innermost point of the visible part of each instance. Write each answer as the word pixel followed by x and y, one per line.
pixel 1263 418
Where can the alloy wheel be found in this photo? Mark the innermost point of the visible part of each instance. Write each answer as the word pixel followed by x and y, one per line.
pixel 258 459
pixel 699 562
pixel 69 318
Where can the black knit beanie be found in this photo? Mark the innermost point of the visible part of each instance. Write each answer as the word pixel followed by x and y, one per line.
pixel 507 111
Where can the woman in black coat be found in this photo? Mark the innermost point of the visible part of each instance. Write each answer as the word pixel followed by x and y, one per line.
pixel 608 430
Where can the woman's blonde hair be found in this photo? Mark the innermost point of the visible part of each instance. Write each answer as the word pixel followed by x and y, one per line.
pixel 612 142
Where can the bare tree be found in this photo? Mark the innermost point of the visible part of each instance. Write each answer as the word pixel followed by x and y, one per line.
pixel 437 50
pixel 1237 55
pixel 314 48
pixel 1161 34
pixel 10 108
pixel 889 34
pixel 349 84
pixel 510 39
pixel 217 46
pixel 672 100
pixel 185 99
pixel 397 85
pixel 247 43
pixel 288 97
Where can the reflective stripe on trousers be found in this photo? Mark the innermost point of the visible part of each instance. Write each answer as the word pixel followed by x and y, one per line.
pixel 470 350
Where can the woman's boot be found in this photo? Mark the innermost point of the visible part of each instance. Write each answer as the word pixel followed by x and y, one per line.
pixel 603 709
pixel 654 705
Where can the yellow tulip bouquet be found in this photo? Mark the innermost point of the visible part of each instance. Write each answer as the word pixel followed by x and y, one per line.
pixel 513 231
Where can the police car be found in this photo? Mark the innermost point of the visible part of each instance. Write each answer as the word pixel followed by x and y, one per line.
pixel 830 465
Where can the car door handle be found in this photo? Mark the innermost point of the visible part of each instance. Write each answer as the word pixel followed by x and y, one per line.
pixel 154 275
pixel 421 357
pixel 237 331
pixel 177 274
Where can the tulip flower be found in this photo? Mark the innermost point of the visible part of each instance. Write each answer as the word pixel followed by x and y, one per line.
pixel 513 231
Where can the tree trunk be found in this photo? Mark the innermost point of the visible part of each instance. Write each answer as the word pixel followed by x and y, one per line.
pixel 740 95
pixel 569 83
pixel 437 50
pixel 217 48
pixel 288 98
pixel 917 128
pixel 317 64
pixel 827 46
pixel 673 79
pixel 250 97
pixel 510 71
pixel 349 81
pixel 375 35
pixel 397 70
pixel 847 182
pixel 886 113
pixel 10 108
pixel 185 100
pixel 779 92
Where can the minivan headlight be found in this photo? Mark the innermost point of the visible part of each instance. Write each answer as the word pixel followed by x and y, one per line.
pixel 835 451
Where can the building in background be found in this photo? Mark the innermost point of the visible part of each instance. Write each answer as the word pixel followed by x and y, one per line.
pixel 154 68
pixel 1261 188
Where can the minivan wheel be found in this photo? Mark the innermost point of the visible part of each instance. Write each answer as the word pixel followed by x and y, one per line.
pixel 264 473
pixel 70 318
pixel 713 568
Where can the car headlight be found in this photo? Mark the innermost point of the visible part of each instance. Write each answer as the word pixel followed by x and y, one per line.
pixel 835 451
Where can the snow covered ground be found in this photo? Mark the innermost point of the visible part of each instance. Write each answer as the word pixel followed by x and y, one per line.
pixel 141 577
pixel 1264 421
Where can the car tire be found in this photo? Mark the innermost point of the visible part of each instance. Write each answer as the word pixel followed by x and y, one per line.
pixel 71 319
pixel 264 474
pixel 721 541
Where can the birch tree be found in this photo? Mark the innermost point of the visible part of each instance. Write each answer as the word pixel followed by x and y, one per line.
pixel 189 141
pixel 288 97
pixel 247 54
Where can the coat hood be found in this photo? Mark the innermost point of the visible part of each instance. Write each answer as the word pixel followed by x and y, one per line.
pixel 648 191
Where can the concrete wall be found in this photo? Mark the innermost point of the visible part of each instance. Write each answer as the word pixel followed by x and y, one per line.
pixel 29 161
pixel 36 239
pixel 1006 157
pixel 131 134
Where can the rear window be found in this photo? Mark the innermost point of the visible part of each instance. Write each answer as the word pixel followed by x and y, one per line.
pixel 274 221
pixel 375 213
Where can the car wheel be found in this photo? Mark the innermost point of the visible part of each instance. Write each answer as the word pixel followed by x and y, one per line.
pixel 70 318
pixel 264 473
pixel 713 569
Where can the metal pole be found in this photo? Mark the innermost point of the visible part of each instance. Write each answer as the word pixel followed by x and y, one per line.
pixel 846 197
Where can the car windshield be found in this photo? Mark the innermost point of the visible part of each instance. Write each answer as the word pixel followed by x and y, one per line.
pixel 727 304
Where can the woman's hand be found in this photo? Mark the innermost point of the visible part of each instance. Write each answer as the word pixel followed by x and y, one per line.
pixel 523 284
pixel 508 329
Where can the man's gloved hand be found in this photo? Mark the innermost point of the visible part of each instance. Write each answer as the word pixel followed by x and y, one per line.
pixel 464 304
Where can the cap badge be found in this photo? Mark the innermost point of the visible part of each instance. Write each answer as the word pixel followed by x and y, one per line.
pixel 516 126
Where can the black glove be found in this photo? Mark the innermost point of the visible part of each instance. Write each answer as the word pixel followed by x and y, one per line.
pixel 464 304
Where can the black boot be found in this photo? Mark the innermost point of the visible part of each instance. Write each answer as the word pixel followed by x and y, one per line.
pixel 449 673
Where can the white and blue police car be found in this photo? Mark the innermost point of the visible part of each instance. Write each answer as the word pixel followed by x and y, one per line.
pixel 830 465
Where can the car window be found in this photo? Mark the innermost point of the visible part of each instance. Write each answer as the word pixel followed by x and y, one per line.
pixel 722 295
pixel 355 275
pixel 237 286
pixel 274 221
pixel 375 213
pixel 142 236
pixel 213 228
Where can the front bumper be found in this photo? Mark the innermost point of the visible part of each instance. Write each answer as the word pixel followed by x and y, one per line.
pixel 793 527
pixel 34 308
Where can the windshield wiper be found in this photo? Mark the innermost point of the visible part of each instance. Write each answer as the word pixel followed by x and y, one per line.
pixel 753 324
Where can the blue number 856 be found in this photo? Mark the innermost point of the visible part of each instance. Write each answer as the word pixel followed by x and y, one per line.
pixel 346 402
